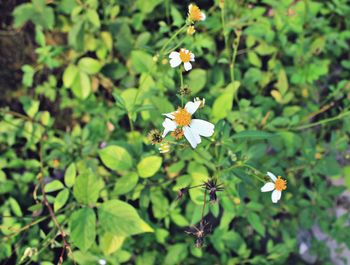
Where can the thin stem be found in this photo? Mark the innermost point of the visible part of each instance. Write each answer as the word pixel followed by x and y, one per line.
pixel 204 203
pixel 171 39
pixel 322 122
pixel 181 85
pixel 235 49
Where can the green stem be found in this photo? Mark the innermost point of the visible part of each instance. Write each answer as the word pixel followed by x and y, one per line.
pixel 204 203
pixel 233 61
pixel 322 122
pixel 181 85
pixel 171 39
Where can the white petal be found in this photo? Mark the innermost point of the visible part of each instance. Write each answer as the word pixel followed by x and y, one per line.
pixel 192 57
pixel 276 196
pixel 191 136
pixel 269 186
pixel 192 107
pixel 272 176
pixel 175 62
pixel 169 126
pixel 169 115
pixel 188 66
pixel 174 55
pixel 202 127
pixel 203 16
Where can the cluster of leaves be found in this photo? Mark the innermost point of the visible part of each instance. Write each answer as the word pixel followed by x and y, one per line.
pixel 76 165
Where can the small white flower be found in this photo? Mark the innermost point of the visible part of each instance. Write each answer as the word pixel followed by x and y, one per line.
pixel 102 262
pixel 184 56
pixel 276 186
pixel 193 129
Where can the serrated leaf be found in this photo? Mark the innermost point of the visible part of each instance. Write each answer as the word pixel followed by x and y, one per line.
pixel 256 223
pixel 82 226
pixel 53 186
pixel 126 183
pixel 110 243
pixel 252 135
pixel 86 188
pixel 121 219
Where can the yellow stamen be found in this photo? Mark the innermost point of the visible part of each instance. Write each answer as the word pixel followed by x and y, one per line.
pixel 185 56
pixel 194 13
pixel 182 117
pixel 280 184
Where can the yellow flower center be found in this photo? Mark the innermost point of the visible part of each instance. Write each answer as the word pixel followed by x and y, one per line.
pixel 194 13
pixel 182 117
pixel 280 184
pixel 185 56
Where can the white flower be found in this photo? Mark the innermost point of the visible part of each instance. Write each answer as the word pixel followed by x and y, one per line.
pixel 202 101
pixel 277 186
pixel 102 262
pixel 184 56
pixel 195 14
pixel 193 129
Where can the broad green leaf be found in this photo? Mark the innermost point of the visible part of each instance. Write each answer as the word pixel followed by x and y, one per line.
pixel 199 174
pixel 110 243
pixel 176 254
pixel 256 223
pixel 89 65
pixel 141 61
pixel 252 135
pixel 82 226
pixel 149 166
pixel 69 75
pixel 61 199
pixel 120 218
pixel 86 188
pixel 197 80
pixel 223 104
pixel 126 183
pixel 116 158
pixel 70 175
pixel 81 86
pixel 54 186
pixel 254 59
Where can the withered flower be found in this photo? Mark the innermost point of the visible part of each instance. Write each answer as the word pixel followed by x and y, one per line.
pixel 155 136
pixel 212 186
pixel 199 232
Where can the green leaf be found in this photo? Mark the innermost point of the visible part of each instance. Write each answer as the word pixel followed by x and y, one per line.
pixel 176 254
pixel 89 65
pixel 110 243
pixel 86 188
pixel 16 209
pixel 28 75
pixel 81 86
pixel 254 59
pixel 54 186
pixel 126 183
pixel 149 166
pixel 116 158
pixel 61 199
pixel 252 135
pixel 69 75
pixel 197 80
pixel 82 226
pixel 141 61
pixel 70 175
pixel 121 219
pixel 282 83
pixel 256 223
pixel 223 104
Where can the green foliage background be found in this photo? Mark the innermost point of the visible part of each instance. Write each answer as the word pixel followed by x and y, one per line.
pixel 275 76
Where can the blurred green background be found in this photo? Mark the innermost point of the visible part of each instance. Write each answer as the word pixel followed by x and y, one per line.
pixel 82 84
